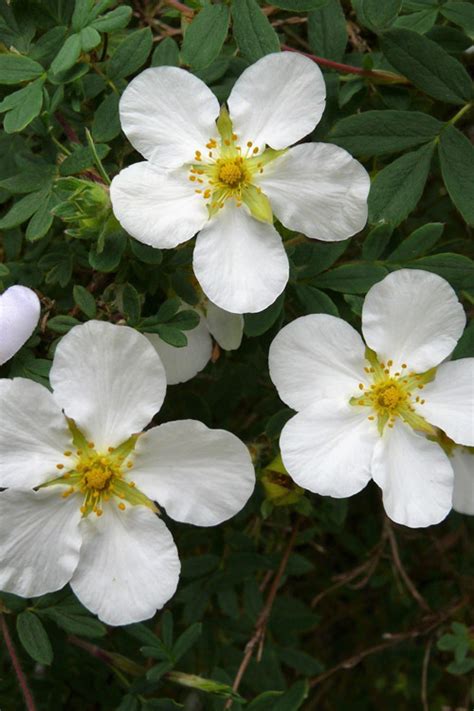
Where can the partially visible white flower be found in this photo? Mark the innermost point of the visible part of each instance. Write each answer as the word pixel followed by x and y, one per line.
pixel 19 315
pixel 91 519
pixel 368 412
pixel 182 364
pixel 462 460
pixel 226 174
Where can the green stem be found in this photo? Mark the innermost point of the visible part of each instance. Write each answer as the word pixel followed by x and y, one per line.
pixel 460 114
pixel 97 160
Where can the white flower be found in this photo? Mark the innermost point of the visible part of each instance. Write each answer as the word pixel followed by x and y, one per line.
pixel 369 412
pixel 462 461
pixel 19 314
pixel 226 174
pixel 182 364
pixel 92 521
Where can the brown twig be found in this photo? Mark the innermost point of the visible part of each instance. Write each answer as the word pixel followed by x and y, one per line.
pixel 184 9
pixel 424 675
pixel 399 566
pixel 374 74
pixel 390 641
pixel 261 623
pixel 22 681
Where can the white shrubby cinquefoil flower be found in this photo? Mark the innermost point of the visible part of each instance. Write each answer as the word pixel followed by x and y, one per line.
pixel 82 478
pixel 182 364
pixel 377 411
pixel 226 174
pixel 19 315
pixel 462 460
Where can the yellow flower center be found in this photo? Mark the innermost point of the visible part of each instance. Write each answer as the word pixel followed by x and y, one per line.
pixel 230 172
pixel 99 477
pixel 393 395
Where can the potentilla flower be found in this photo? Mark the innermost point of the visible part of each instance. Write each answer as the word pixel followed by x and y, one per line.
pixel 19 315
pixel 227 173
pixel 375 410
pixel 462 460
pixel 182 364
pixel 91 519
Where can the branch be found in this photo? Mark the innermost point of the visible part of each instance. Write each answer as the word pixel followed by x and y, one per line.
pixel 399 566
pixel 22 682
pixel 261 623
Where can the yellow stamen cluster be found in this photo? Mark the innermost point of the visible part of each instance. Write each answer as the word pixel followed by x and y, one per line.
pixel 391 395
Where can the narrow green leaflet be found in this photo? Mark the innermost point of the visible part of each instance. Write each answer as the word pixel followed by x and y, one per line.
pixel 253 33
pixel 376 241
pixel 166 54
pixel 327 33
pixel 300 5
pixel 461 13
pixel 420 22
pixel 374 133
pixel 22 210
pixel 131 54
pixel 205 36
pixel 114 20
pixel 396 190
pixel 258 323
pixel 67 55
pixel 315 301
pixel 354 278
pixel 33 637
pixel 84 300
pixel 28 103
pixel 15 68
pixel 106 123
pixel 381 13
pixel 418 242
pixel 427 66
pixel 456 155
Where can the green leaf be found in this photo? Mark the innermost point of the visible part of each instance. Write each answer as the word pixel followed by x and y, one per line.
pixel 420 22
pixel 167 628
pixel 258 323
pixel 80 16
pixel 293 698
pixel 84 300
pixel 376 241
pixel 82 158
pixel 396 190
pixel 33 637
pixel 110 255
pixel 419 242
pixel 156 672
pixel 106 123
pixel 22 210
pixel 185 320
pixel 456 155
pixel 131 54
pixel 67 55
pixel 41 221
pixel 375 133
pixel 171 335
pixel 253 33
pixel 427 66
pixel 166 54
pixel 300 5
pixel 168 309
pixel 74 622
pixel 315 301
pixel 187 640
pixel 27 109
pixel 15 68
pixel 90 38
pixel 455 268
pixel 62 324
pixel 465 346
pixel 354 278
pixel 145 253
pixel 327 32
pixel 381 14
pixel 131 304
pixel 461 13
pixel 315 257
pixel 205 36
pixel 114 20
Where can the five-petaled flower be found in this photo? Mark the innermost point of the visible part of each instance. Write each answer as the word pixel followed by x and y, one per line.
pixel 182 364
pixel 225 174
pixel 19 314
pixel 377 411
pixel 82 484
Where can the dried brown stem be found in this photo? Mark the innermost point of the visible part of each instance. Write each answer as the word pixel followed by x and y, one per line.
pixel 401 570
pixel 20 675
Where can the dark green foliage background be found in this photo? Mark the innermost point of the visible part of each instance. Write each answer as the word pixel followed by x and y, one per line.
pixel 366 615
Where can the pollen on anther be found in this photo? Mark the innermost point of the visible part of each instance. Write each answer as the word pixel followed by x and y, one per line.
pixel 131 484
pixel 192 178
pixel 390 363
pixel 234 136
pixel 59 466
pixel 420 387
pixel 129 465
pixel 404 365
pixel 99 512
pixel 91 445
pixel 67 453
pixel 371 417
pixel 255 150
pixel 361 386
pixel 249 144
pixel 122 507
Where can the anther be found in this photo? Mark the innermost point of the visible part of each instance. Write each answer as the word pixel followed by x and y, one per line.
pixel 67 453
pixel 122 507
pixel 59 466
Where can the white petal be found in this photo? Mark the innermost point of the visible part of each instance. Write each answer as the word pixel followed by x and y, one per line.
pixel 278 100
pixel 129 565
pixel 33 434
pixel 157 208
pixel 39 540
pixel 316 356
pixel 240 262
pixel 449 400
pixel 415 476
pixel 109 379
pixel 19 314
pixel 327 448
pixel 462 461
pixel 412 317
pixel 182 364
pixel 168 114
pixel 318 189
pixel 227 328
pixel 200 476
